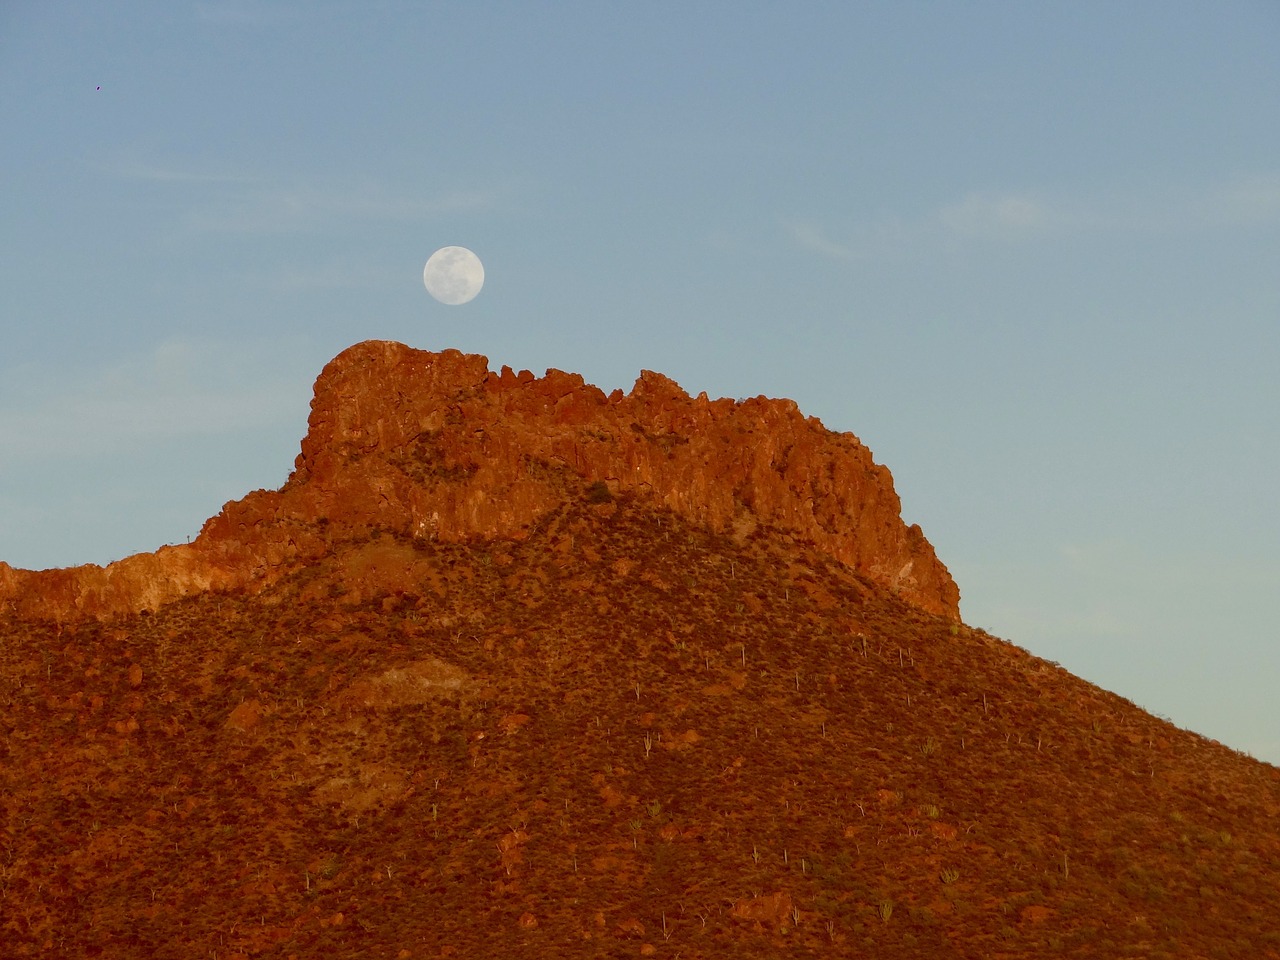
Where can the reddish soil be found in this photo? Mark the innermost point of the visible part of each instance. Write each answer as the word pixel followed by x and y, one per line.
pixel 552 747
pixel 616 731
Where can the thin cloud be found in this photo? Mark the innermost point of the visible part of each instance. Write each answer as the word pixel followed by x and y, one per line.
pixel 246 203
pixel 336 275
pixel 990 216
pixel 160 173
pixel 243 14
pixel 1246 200
pixel 287 209
pixel 178 389
pixel 1021 216
pixel 811 237
pixel 131 164
pixel 996 216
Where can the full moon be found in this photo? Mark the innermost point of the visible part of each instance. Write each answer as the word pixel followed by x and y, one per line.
pixel 453 275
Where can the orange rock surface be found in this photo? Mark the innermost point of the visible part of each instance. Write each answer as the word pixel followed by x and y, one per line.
pixel 436 446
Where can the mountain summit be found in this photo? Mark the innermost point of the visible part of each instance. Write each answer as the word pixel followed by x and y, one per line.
pixel 435 446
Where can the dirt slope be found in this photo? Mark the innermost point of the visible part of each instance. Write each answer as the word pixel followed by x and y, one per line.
pixel 623 735
pixel 510 668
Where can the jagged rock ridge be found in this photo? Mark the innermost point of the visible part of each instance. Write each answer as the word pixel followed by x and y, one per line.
pixel 437 446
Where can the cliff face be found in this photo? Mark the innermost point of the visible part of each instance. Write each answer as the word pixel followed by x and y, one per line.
pixel 436 446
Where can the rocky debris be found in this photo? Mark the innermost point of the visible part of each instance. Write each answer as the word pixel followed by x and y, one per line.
pixel 436 446
pixel 772 911
pixel 414 683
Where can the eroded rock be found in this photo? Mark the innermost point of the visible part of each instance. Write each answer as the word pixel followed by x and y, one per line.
pixel 435 446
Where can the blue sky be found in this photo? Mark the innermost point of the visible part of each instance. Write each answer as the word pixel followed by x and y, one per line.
pixel 1028 253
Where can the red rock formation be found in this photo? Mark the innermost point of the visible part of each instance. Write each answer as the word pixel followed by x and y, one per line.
pixel 435 445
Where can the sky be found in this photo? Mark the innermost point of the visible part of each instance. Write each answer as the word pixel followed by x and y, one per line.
pixel 1028 253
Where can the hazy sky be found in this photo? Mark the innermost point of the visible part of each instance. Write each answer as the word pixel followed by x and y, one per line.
pixel 1028 253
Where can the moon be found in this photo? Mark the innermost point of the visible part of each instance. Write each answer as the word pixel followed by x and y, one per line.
pixel 453 275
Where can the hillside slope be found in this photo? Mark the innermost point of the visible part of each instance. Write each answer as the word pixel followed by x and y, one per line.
pixel 612 730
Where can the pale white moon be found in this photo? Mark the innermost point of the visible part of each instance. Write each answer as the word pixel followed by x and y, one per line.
pixel 453 275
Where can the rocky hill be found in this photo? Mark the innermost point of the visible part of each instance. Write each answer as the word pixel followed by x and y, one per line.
pixel 510 668
pixel 436 447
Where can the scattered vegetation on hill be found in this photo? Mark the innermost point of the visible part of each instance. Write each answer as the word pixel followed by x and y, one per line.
pixel 619 736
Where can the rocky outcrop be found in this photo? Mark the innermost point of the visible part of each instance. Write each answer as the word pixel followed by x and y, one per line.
pixel 437 446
